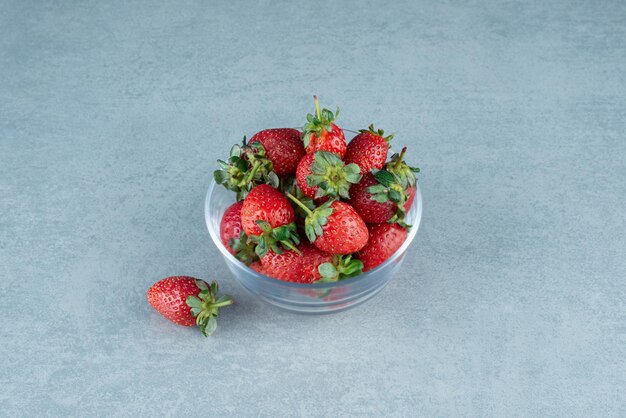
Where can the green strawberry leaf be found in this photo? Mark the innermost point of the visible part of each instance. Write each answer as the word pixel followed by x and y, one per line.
pixel 328 271
pixel 276 239
pixel 321 121
pixel 317 219
pixel 378 132
pixel 384 177
pixel 193 302
pixel 331 176
pixel 341 268
pixel 205 307
pixel 244 248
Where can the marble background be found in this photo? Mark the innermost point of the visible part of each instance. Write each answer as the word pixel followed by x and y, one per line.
pixel 510 303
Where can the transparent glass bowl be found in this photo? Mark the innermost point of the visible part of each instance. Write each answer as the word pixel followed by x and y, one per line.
pixel 317 298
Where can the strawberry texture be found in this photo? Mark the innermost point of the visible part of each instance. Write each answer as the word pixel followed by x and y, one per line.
pixel 168 297
pixel 385 239
pixel 368 151
pixel 283 147
pixel 267 204
pixel 344 232
pixel 302 172
pixel 334 141
pixel 370 210
pixel 230 226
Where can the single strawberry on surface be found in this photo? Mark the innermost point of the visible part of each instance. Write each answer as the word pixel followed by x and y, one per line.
pixel 283 147
pixel 385 239
pixel 323 174
pixel 186 301
pixel 334 227
pixel 321 134
pixel 368 149
pixel 268 220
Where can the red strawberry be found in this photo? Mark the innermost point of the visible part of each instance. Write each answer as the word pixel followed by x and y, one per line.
pixel 283 266
pixel 385 239
pixel 269 220
pixel 319 265
pixel 312 258
pixel 363 202
pixel 233 237
pixel 334 227
pixel 386 195
pixel 230 227
pixel 265 203
pixel 308 267
pixel 187 301
pixel 344 231
pixel 321 134
pixel 368 149
pixel 283 147
pixel 324 174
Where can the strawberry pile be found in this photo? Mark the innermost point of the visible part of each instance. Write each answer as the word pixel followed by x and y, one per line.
pixel 310 206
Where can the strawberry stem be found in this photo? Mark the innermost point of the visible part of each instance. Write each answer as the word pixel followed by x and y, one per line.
pixel 400 157
pixel 220 304
pixel 297 202
pixel 317 108
pixel 291 247
pixel 255 168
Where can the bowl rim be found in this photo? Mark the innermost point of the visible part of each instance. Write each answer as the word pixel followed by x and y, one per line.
pixel 215 236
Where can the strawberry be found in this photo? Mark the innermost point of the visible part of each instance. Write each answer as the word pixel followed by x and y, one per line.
pixel 232 235
pixel 268 219
pixel 187 301
pixel 385 196
pixel 230 226
pixel 385 239
pixel 283 147
pixel 368 149
pixel 316 264
pixel 247 166
pixel 283 266
pixel 321 134
pixel 311 265
pixel 334 227
pixel 324 174
pixel 363 201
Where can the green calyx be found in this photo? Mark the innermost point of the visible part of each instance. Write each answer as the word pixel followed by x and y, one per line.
pixel 389 188
pixel 342 267
pixel 378 132
pixel 315 219
pixel 332 176
pixel 205 306
pixel 321 121
pixel 284 236
pixel 403 172
pixel 247 166
pixel 393 185
pixel 244 248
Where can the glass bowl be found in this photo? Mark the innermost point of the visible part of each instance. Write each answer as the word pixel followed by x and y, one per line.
pixel 316 298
